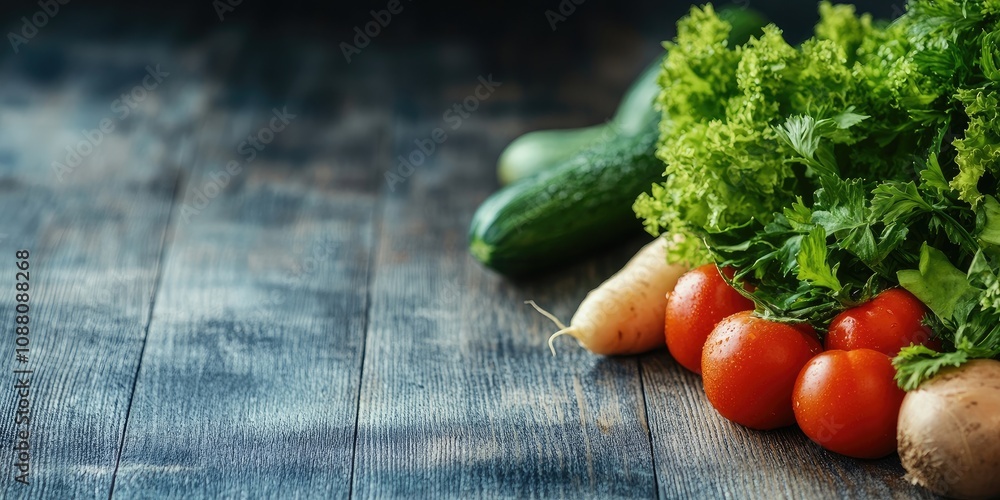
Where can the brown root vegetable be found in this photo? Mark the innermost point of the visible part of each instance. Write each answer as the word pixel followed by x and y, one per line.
pixel 949 431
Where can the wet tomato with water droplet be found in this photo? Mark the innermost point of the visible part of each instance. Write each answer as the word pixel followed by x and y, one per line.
pixel 848 402
pixel 887 323
pixel 698 302
pixel 749 367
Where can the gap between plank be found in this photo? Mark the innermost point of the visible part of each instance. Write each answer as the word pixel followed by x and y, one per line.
pixel 167 229
pixel 378 211
pixel 649 428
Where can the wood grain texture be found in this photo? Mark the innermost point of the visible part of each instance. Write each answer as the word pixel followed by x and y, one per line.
pixel 460 396
pixel 248 385
pixel 700 454
pixel 93 265
pixel 95 230
pixel 249 381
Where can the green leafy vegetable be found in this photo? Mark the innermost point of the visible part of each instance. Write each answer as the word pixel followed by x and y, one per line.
pixel 812 261
pixel 964 303
pixel 868 157
pixel 937 283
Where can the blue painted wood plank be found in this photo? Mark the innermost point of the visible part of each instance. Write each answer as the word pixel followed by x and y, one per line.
pixel 87 182
pixel 249 381
pixel 93 265
pixel 460 396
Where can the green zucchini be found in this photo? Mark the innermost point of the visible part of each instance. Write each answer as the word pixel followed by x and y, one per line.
pixel 543 149
pixel 567 210
pixel 538 150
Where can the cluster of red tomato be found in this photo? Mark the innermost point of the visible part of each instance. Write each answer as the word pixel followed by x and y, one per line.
pixel 764 374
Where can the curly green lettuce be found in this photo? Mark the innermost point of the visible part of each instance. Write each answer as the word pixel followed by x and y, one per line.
pixel 726 163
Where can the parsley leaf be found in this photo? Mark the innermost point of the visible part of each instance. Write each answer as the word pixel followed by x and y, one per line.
pixel 812 261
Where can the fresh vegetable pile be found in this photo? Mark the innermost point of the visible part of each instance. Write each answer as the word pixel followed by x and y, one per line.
pixel 838 202
pixel 851 183
pixel 864 159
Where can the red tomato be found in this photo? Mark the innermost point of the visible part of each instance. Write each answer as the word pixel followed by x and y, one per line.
pixel 750 365
pixel 887 323
pixel 848 402
pixel 700 299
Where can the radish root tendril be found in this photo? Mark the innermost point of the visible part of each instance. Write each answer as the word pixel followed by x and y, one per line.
pixel 563 329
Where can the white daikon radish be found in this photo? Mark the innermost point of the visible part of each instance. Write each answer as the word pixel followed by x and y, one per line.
pixel 625 314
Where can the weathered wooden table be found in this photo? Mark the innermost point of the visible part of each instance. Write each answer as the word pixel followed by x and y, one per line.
pixel 231 296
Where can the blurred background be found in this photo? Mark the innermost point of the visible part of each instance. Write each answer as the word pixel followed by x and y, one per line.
pixel 562 63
